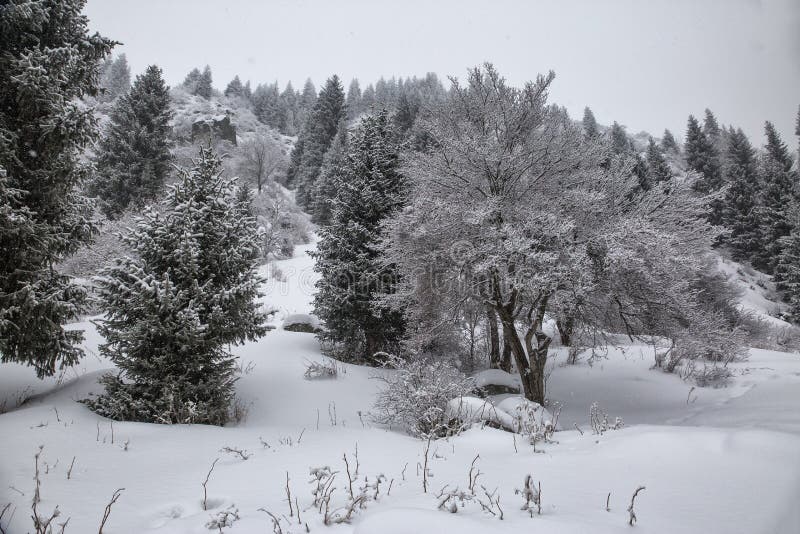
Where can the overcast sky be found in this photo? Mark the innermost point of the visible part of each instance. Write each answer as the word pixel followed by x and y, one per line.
pixel 644 63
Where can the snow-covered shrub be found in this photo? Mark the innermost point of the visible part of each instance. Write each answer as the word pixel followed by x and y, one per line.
pixel 321 370
pixel 283 223
pixel 417 393
pixel 599 421
pixel 301 322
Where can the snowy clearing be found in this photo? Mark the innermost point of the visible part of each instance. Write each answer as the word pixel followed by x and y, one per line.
pixel 712 460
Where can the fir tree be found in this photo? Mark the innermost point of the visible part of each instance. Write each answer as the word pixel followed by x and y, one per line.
pixel 711 127
pixel 368 99
pixel 777 195
pixel 318 134
pixel 289 107
pixel 407 110
pixel 192 80
pixel 703 158
pixel 205 84
pixel 48 62
pixel 353 276
pixel 620 143
pixel 788 265
pixel 353 100
pixel 133 157
pixel 267 106
pixel 116 79
pixel 305 104
pixel 235 87
pixel 327 184
pixel 173 308
pixel 668 143
pixel 589 123
pixel 739 213
pixel 657 168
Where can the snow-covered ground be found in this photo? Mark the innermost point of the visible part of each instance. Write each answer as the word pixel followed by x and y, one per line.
pixel 712 460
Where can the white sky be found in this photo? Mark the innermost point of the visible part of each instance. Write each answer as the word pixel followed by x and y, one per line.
pixel 644 63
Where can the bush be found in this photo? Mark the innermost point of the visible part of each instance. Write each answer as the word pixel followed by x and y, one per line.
pixel 417 393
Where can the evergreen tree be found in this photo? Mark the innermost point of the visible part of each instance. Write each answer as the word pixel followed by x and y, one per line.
pixel 620 143
pixel 235 87
pixel 133 157
pixel 407 110
pixel 318 134
pixel 777 195
pixel 368 99
pixel 192 80
pixel 48 62
pixel 332 168
pixel 305 104
pixel 788 265
pixel 173 308
pixel 657 168
pixel 370 188
pixel 703 158
pixel 116 79
pixel 267 106
pixel 739 213
pixel 353 100
pixel 668 143
pixel 289 107
pixel 589 123
pixel 711 127
pixel 205 84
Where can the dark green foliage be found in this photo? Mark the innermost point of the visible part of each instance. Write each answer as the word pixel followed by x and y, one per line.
pixel 48 61
pixel 702 157
pixel 133 157
pixel 318 133
pixel 739 205
pixel 589 123
pixel 657 168
pixel 369 189
pixel 788 265
pixel 173 308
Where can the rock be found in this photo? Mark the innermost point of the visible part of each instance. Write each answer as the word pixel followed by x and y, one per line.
pixel 496 382
pixel 213 128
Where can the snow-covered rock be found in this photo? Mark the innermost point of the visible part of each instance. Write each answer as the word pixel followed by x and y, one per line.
pixel 302 322
pixel 497 382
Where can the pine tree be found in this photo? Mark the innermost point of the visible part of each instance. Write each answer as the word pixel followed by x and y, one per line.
pixel 49 61
pixel 133 157
pixel 777 195
pixel 317 136
pixel 620 143
pixel 407 109
pixel 353 100
pixel 205 84
pixel 589 123
pixel 739 208
pixel 289 106
pixel 370 188
pixel 192 80
pixel 788 264
pixel 305 104
pixel 116 78
pixel 711 126
pixel 657 168
pixel 174 307
pixel 703 158
pixel 368 99
pixel 235 87
pixel 327 184
pixel 668 143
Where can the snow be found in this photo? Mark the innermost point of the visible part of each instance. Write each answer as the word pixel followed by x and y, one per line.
pixel 496 377
pixel 756 288
pixel 302 319
pixel 712 460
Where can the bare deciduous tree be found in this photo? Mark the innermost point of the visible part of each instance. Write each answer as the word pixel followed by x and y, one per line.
pixel 262 157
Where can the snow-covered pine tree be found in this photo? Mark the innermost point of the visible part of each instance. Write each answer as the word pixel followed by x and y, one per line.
pixel 589 123
pixel 353 100
pixel 327 184
pixel 48 62
pixel 318 133
pixel 788 265
pixel 777 195
pixel 205 84
pixel 657 168
pixel 116 79
pixel 354 277
pixel 668 143
pixel 739 205
pixel 191 81
pixel 620 143
pixel 235 87
pixel 703 158
pixel 133 156
pixel 289 102
pixel 711 128
pixel 174 307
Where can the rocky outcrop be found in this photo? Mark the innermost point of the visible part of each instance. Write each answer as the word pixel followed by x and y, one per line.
pixel 214 128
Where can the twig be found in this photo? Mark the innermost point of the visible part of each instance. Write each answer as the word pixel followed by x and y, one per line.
pixel 107 511
pixel 608 499
pixel 205 483
pixel 69 471
pixel 289 496
pixel 632 514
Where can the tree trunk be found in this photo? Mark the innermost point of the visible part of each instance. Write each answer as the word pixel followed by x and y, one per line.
pixel 566 326
pixel 505 363
pixel 494 339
